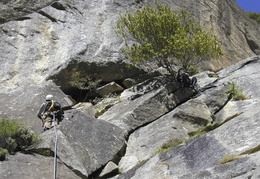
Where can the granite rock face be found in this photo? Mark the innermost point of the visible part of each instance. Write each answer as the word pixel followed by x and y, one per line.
pixel 45 43
pixel 52 39
pixel 33 166
pixel 85 144
pixel 131 133
pixel 203 156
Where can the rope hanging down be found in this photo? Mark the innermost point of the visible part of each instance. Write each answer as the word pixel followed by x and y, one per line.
pixel 55 148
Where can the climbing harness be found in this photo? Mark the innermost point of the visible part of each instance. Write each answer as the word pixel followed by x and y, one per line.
pixel 55 148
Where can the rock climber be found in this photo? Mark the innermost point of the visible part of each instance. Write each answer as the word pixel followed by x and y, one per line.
pixel 47 111
pixel 185 80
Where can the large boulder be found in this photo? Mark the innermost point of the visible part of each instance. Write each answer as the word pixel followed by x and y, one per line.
pixel 200 154
pixel 154 98
pixel 85 144
pixel 170 128
pixel 110 88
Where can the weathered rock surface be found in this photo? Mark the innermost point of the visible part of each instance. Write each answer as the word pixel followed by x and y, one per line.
pixel 225 19
pixel 159 97
pixel 246 76
pixel 43 40
pixel 53 39
pixel 146 141
pixel 162 112
pixel 26 166
pixel 110 168
pixel 246 167
pixel 110 88
pixel 14 10
pixel 202 153
pixel 199 157
pixel 85 144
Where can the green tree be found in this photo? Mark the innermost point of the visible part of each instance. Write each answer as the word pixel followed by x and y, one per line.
pixel 166 37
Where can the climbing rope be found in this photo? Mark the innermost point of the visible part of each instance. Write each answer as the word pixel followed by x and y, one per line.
pixel 55 148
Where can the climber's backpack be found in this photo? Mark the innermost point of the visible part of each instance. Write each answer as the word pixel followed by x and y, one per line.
pixel 54 106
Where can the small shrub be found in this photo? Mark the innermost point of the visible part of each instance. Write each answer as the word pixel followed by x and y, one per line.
pixel 228 158
pixel 213 75
pixel 25 137
pixel 169 145
pixel 8 127
pixel 3 154
pixel 10 144
pixel 207 128
pixel 236 92
pixel 172 143
pixel 120 170
pixel 251 151
pixel 15 136
pixel 44 151
pixel 232 117
pixel 254 16
pixel 213 116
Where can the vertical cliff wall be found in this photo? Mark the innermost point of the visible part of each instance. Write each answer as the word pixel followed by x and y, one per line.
pixel 42 39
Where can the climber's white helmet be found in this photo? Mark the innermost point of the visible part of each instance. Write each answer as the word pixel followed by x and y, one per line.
pixel 49 97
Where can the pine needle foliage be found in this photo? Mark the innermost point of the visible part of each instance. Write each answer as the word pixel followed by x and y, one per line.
pixel 167 37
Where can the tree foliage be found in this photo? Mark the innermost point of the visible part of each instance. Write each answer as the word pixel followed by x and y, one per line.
pixel 166 37
pixel 14 136
pixel 254 16
pixel 84 83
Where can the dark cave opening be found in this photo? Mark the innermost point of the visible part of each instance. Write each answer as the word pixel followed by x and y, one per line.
pixel 78 95
pixel 89 94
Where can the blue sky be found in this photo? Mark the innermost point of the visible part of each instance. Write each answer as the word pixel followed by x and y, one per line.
pixel 249 5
